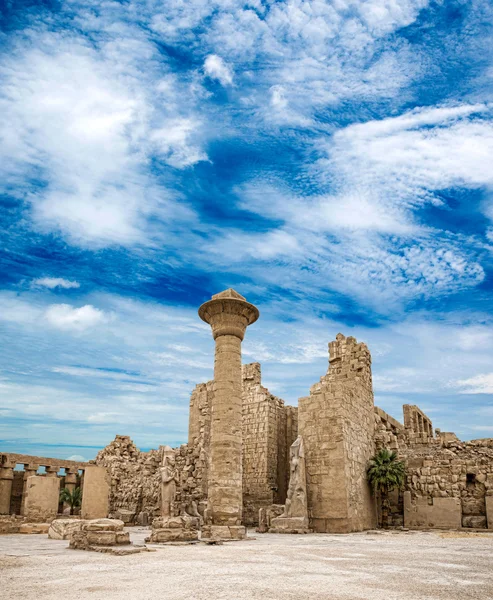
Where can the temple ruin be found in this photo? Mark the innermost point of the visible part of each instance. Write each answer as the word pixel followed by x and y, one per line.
pixel 237 462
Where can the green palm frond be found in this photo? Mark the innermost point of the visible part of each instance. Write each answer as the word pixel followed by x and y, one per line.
pixel 72 498
pixel 385 472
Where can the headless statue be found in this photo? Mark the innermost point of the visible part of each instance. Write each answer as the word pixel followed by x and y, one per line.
pixel 296 501
pixel 168 482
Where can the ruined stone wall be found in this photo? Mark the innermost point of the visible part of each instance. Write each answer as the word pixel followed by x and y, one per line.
pixel 337 425
pixel 265 441
pixel 135 478
pixel 437 468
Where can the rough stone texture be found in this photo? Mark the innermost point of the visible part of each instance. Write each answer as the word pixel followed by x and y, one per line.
pixel 489 511
pixel 441 467
pixel 98 532
pixel 267 435
pixel 42 498
pixel 224 532
pixel 34 528
pixel 337 425
pixel 10 524
pixel 96 490
pixel 440 513
pixel 61 529
pixel 294 518
pixel 175 529
pixel 229 315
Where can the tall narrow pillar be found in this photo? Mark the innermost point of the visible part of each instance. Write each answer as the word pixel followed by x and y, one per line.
pixel 30 470
pixel 228 314
pixel 6 478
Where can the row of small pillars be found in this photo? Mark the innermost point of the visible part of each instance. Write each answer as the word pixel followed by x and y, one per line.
pixel 30 470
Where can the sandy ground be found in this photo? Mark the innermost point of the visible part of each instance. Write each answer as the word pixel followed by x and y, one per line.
pixel 404 565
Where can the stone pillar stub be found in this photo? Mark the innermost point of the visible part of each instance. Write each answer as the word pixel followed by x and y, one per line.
pixel 42 496
pixel 95 493
pixel 29 471
pixel 6 479
pixel 489 511
pixel 228 314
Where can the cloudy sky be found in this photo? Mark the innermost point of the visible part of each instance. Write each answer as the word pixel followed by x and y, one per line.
pixel 332 160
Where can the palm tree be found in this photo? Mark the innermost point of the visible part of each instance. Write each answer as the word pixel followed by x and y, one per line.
pixel 385 473
pixel 72 498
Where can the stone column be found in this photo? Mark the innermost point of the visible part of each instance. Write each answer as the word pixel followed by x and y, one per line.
pixel 70 484
pixel 228 314
pixel 52 471
pixel 6 478
pixel 29 471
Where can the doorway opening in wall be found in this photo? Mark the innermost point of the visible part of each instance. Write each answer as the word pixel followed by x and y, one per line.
pixel 474 503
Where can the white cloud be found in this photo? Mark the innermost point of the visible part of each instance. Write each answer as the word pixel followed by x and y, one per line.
pixel 479 384
pixel 64 316
pixel 77 458
pixel 216 68
pixel 86 123
pixel 54 282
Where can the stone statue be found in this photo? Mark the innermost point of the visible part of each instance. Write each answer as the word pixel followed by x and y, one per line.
pixel 294 519
pixel 296 505
pixel 168 482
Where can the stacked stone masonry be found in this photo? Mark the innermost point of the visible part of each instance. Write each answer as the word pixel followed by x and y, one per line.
pixel 236 462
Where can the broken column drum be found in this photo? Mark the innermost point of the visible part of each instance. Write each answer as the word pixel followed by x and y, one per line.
pixel 228 314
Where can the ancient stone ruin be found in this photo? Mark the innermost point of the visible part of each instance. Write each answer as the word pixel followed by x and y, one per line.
pixel 251 460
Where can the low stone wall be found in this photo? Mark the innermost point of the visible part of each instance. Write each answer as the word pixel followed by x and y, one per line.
pixel 436 513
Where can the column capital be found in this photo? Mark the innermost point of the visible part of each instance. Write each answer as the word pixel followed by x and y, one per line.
pixel 30 470
pixel 52 471
pixel 6 472
pixel 228 313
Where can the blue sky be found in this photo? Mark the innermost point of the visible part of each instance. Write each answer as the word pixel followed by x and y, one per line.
pixel 330 160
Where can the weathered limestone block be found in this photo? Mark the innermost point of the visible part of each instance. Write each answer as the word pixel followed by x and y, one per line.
pixel 294 519
pixel 41 500
pixel 61 529
pixel 122 514
pixel 443 513
pixel 95 493
pixel 33 528
pixel 175 529
pixel 224 532
pixel 474 521
pixel 98 532
pixel 10 524
pixel 489 511
pixel 266 515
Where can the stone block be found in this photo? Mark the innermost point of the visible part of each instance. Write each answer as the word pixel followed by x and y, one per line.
pixel 489 511
pixel 97 533
pixel 61 529
pixel 101 538
pixel 224 532
pixel 289 525
pixel 474 521
pixel 33 528
pixel 127 516
pixel 42 499
pixel 175 529
pixel 102 525
pixel 443 513
pixel 10 524
pixel 95 493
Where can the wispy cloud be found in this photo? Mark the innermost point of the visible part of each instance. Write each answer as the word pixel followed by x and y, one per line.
pixel 55 282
